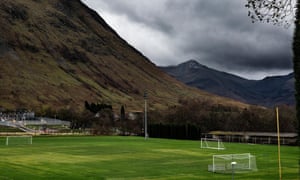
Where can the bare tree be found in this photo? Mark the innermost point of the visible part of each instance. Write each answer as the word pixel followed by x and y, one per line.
pixel 277 12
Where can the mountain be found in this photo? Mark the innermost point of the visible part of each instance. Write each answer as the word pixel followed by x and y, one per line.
pixel 60 53
pixel 269 91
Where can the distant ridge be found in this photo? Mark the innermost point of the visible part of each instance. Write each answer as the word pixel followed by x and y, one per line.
pixel 269 91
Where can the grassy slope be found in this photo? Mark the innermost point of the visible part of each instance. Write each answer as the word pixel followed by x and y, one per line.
pixel 62 54
pixel 133 158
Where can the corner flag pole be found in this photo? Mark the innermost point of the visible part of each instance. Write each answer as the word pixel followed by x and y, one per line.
pixel 146 123
pixel 278 138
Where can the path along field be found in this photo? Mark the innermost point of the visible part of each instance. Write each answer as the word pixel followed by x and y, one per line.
pixel 115 157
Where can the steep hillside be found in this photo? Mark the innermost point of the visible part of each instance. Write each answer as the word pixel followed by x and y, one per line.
pixel 60 53
pixel 269 92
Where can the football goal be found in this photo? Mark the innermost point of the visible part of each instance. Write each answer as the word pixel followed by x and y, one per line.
pixel 228 162
pixel 18 140
pixel 212 143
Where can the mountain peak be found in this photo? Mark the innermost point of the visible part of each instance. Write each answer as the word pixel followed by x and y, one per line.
pixel 192 61
pixel 191 64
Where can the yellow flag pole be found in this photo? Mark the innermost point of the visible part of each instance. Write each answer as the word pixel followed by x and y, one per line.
pixel 278 138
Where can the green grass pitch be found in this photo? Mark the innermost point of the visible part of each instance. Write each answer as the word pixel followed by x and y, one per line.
pixel 115 157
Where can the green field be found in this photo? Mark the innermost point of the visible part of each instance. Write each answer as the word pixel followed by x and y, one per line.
pixel 114 157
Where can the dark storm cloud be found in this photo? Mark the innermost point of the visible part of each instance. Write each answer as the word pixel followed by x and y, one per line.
pixel 236 49
pixel 228 37
pixel 217 33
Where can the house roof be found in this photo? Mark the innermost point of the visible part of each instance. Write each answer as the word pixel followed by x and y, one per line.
pixel 261 134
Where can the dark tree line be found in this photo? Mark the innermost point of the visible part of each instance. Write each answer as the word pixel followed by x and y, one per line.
pixel 188 120
pixel 175 131
pixel 194 116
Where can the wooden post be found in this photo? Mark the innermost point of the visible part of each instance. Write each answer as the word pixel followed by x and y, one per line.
pixel 146 123
pixel 278 139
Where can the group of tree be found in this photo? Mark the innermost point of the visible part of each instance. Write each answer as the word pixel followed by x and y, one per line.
pixel 96 107
pixel 98 119
pixel 194 117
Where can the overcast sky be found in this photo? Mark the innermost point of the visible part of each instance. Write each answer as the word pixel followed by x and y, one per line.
pixel 216 33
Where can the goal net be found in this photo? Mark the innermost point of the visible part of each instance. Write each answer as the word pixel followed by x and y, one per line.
pixel 211 143
pixel 18 140
pixel 228 162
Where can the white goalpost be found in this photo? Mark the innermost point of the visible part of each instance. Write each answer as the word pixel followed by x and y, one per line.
pixel 18 140
pixel 212 143
pixel 226 163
